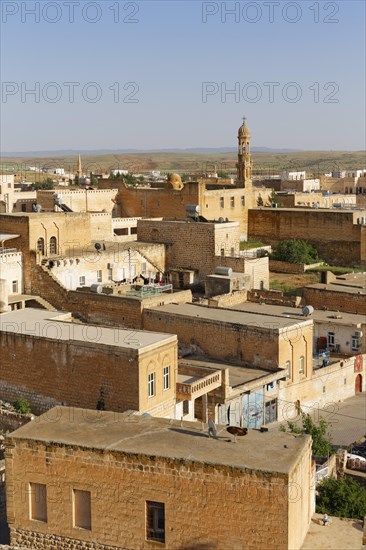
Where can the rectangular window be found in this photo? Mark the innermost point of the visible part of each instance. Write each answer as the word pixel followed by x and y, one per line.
pixel 143 268
pixel 185 407
pixel 38 502
pixel 223 252
pixel 82 509
pixel 24 207
pixel 15 287
pixel 232 252
pixel 330 338
pixel 110 274
pixel 82 281
pixel 355 343
pixel 222 202
pixel 288 369
pixel 151 384
pixel 155 521
pixel 242 200
pixel 158 203
pixel 232 202
pixel 166 378
pixel 99 276
pixel 302 365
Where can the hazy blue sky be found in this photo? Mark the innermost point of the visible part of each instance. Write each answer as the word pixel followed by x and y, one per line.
pixel 313 52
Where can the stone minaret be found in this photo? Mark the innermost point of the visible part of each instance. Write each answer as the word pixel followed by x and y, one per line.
pixel 79 170
pixel 244 164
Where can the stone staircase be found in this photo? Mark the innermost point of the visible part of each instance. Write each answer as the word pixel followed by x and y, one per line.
pixel 44 303
pixel 50 291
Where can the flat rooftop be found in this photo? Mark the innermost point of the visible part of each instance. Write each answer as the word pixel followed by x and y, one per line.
pixel 58 325
pixel 271 451
pixel 268 322
pixel 300 211
pixel 238 375
pixel 320 315
pixel 332 287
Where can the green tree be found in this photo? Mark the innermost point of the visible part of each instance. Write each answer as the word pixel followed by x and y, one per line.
pixel 273 198
pixel 322 443
pixel 93 179
pixel 296 252
pixel 48 184
pixel 222 175
pixel 342 497
pixel 260 201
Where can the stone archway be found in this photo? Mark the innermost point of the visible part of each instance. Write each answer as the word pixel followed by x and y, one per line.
pixel 358 384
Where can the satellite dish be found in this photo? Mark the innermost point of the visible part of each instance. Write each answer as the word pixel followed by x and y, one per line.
pixel 97 246
pixel 212 431
pixel 237 431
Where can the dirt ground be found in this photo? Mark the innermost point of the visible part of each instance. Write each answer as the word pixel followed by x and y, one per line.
pixel 288 281
pixel 340 534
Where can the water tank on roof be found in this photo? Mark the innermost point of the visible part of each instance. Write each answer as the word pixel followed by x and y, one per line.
pixel 221 270
pixel 96 288
pixel 307 310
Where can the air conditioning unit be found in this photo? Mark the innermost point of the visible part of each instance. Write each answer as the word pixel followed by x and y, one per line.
pixel 359 333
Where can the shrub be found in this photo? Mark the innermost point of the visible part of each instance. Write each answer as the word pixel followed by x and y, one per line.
pixel 342 497
pixel 322 445
pixel 295 252
pixel 22 406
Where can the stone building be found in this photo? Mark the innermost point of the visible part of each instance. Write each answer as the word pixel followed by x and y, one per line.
pixel 338 235
pixel 11 267
pixel 78 200
pixel 344 293
pixel 199 247
pixel 77 478
pixel 340 333
pixel 215 200
pixel 248 339
pixel 50 359
pixel 53 234
pixel 13 199
pixel 317 200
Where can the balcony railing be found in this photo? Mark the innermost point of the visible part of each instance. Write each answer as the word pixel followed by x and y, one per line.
pixel 8 250
pixel 187 392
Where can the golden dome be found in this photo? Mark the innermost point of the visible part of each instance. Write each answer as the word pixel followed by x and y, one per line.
pixel 244 130
pixel 175 181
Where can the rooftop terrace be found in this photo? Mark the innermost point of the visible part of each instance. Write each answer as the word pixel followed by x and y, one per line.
pixel 59 326
pixel 136 435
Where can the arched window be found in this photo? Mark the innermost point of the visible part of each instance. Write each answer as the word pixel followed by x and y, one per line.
pixel 40 246
pixel 288 369
pixel 302 365
pixel 53 245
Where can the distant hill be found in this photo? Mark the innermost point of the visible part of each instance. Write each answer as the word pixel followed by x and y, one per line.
pixel 72 152
pixel 195 161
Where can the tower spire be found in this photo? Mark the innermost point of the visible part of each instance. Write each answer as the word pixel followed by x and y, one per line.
pixel 244 164
pixel 79 170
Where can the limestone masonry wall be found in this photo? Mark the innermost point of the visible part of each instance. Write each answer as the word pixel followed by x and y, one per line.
pixel 118 500
pixel 337 236
pixel 335 301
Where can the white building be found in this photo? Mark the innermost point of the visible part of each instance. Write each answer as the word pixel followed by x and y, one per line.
pixel 119 171
pixel 286 175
